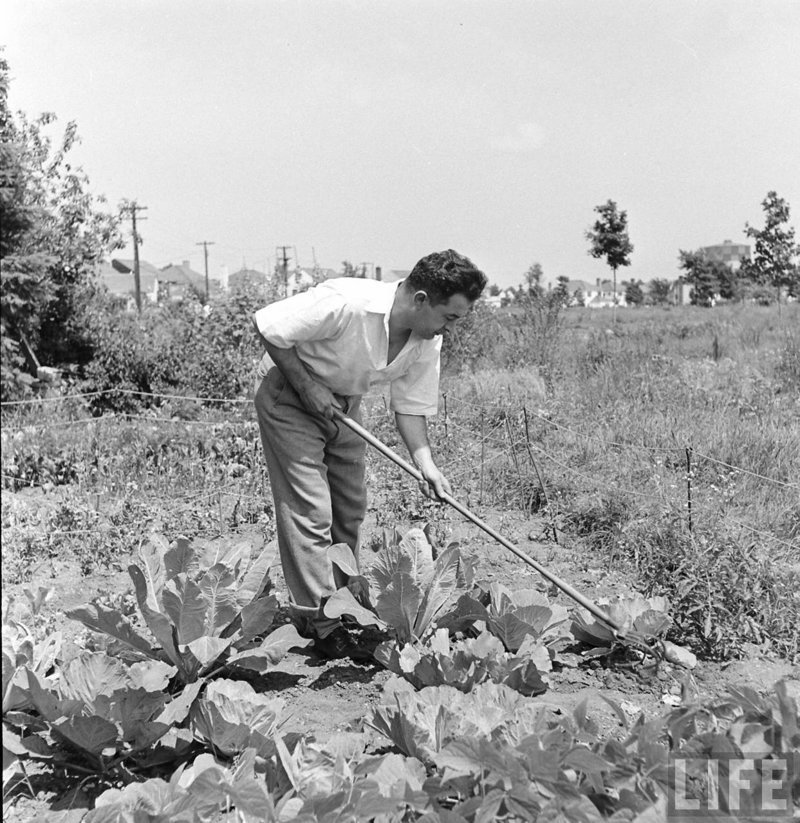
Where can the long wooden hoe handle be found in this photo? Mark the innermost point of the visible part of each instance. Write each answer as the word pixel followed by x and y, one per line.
pixel 459 507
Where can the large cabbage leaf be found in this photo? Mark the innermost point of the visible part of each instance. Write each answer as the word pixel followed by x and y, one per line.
pixel 648 617
pixel 102 706
pixel 233 717
pixel 409 588
pixel 198 600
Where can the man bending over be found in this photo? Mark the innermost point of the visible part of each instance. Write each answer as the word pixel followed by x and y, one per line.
pixel 325 348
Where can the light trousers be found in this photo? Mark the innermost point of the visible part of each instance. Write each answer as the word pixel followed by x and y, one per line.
pixel 316 470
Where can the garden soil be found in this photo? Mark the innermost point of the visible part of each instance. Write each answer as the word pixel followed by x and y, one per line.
pixel 323 697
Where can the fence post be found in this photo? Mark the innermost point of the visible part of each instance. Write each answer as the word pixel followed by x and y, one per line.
pixel 514 457
pixel 539 475
pixel 483 452
pixel 689 486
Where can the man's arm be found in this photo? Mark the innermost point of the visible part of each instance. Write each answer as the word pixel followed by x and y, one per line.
pixel 316 398
pixel 413 429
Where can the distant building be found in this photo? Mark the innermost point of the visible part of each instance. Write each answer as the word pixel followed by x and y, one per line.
pixel 247 278
pixel 117 276
pixel 681 292
pixel 601 295
pixel 180 282
pixel 728 252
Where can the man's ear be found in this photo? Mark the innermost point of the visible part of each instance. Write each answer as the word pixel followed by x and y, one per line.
pixel 420 298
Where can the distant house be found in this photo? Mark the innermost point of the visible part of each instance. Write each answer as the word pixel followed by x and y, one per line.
pixel 602 295
pixel 581 292
pixel 117 276
pixel 181 282
pixel 247 278
pixel 681 292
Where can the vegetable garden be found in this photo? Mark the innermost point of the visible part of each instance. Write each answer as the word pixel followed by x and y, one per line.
pixel 150 672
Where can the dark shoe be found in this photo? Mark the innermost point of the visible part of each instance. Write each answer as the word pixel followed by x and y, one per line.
pixel 339 645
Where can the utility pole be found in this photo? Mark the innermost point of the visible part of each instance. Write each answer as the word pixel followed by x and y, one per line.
pixel 284 259
pixel 131 207
pixel 205 244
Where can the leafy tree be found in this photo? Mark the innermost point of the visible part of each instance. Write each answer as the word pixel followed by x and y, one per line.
pixel 494 290
pixel 533 281
pixel 609 239
pixel 659 291
pixel 774 260
pixel 634 293
pixel 730 283
pixel 561 291
pixel 579 297
pixel 53 237
pixel 703 275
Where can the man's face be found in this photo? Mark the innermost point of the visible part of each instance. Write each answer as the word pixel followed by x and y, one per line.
pixel 430 320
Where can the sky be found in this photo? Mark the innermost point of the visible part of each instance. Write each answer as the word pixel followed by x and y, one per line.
pixel 377 132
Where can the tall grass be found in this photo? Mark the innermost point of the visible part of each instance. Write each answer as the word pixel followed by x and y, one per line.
pixel 639 417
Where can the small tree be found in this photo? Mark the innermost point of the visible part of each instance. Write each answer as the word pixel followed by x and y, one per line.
pixel 561 291
pixel 659 291
pixel 533 281
pixel 703 275
pixel 634 293
pixel 774 262
pixel 730 283
pixel 609 239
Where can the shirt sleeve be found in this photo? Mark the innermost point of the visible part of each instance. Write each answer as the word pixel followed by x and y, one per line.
pixel 316 314
pixel 417 390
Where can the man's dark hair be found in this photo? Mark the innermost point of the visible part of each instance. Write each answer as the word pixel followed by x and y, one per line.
pixel 445 273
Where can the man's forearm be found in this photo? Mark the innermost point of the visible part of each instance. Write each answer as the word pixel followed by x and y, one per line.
pixel 290 365
pixel 413 429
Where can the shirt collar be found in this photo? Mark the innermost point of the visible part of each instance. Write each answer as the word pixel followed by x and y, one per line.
pixel 382 301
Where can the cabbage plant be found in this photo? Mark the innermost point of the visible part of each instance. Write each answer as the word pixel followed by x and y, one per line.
pixel 410 589
pixel 203 603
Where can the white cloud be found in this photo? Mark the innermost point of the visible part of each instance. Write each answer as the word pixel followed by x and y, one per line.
pixel 525 137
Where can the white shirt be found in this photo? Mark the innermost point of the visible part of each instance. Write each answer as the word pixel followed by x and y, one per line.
pixel 340 330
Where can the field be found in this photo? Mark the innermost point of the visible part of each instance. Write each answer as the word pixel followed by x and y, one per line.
pixel 656 456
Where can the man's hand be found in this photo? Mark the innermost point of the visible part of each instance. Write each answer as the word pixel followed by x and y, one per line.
pixel 435 483
pixel 414 431
pixel 317 399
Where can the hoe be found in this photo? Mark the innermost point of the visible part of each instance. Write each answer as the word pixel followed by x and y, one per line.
pixel 646 645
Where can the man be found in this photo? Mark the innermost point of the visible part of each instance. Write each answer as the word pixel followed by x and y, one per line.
pixel 327 346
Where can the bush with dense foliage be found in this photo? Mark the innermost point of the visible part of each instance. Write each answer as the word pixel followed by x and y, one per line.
pixel 54 234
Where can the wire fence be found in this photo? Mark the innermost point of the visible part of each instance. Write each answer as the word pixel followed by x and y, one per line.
pixel 491 441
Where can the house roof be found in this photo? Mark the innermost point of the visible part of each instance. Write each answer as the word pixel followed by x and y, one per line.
pixel 126 267
pixel 249 275
pixel 183 275
pixel 579 285
pixel 123 283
